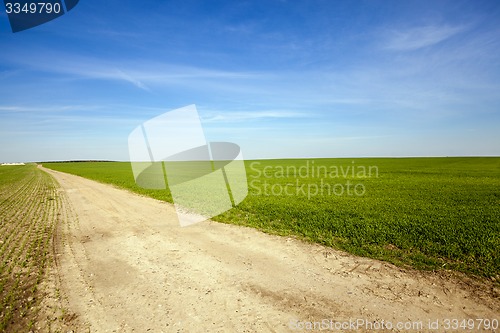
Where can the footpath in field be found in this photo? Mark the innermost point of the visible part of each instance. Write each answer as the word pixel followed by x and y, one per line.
pixel 127 266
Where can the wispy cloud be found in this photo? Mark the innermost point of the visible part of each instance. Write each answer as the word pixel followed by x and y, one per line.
pixel 420 37
pixel 141 74
pixel 120 69
pixel 240 116
pixel 132 80
pixel 47 109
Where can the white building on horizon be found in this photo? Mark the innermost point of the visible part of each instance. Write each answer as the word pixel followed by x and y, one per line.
pixel 12 164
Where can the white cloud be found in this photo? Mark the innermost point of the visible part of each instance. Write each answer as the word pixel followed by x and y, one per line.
pixel 420 37
pixel 47 109
pixel 241 116
pixel 132 80
pixel 142 74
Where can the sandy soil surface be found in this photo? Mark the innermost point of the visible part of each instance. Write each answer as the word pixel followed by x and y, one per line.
pixel 125 265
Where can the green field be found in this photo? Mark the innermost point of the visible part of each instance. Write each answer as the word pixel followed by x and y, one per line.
pixel 29 208
pixel 428 213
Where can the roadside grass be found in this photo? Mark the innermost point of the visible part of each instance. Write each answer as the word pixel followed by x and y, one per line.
pixel 427 213
pixel 28 217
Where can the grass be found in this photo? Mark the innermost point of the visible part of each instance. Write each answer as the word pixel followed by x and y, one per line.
pixel 428 213
pixel 28 217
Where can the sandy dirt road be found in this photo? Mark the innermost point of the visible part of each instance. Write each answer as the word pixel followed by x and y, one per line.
pixel 126 265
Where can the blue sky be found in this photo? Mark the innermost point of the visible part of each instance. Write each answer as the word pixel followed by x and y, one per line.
pixel 279 78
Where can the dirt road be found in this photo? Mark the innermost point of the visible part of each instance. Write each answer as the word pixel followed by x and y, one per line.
pixel 127 266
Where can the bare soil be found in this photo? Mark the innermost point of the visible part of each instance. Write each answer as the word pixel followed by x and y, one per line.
pixel 125 265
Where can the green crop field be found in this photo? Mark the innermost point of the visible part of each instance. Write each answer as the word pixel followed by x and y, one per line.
pixel 428 213
pixel 29 208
